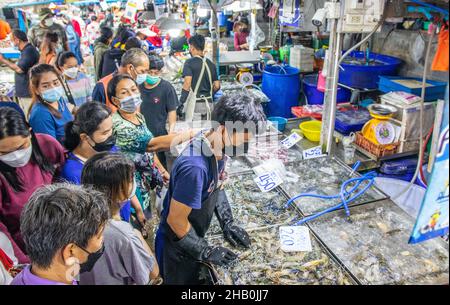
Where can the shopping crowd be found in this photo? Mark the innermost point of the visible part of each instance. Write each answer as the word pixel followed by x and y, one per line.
pixel 82 165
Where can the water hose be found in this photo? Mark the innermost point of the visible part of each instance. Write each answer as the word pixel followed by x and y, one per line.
pixel 345 195
pixel 422 175
pixel 437 9
pixel 422 104
pixel 375 29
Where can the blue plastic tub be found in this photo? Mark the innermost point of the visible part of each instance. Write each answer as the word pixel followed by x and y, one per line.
pixel 399 167
pixel 433 93
pixel 366 77
pixel 282 87
pixel 279 122
pixel 316 97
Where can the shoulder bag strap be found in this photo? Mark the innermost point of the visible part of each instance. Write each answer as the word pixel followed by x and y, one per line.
pixel 197 86
pixel 68 92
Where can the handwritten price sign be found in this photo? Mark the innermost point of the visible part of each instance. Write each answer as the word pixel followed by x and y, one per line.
pixel 312 153
pixel 268 181
pixel 290 141
pixel 295 239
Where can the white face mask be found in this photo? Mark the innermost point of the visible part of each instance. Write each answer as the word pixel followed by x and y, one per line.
pixel 71 73
pixel 48 22
pixel 17 158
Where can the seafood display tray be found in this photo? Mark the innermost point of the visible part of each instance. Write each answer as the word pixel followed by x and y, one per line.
pixel 265 148
pixel 322 176
pixel 261 214
pixel 373 245
pixel 253 209
pixel 266 264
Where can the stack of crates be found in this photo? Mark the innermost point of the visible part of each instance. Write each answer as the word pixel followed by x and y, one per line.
pixel 302 58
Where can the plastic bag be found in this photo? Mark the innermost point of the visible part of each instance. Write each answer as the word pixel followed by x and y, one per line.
pixel 256 36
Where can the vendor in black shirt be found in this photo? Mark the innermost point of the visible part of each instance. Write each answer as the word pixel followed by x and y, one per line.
pixel 191 74
pixel 29 56
pixel 159 102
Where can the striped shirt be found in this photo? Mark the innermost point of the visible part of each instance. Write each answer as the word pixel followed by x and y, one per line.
pixel 81 89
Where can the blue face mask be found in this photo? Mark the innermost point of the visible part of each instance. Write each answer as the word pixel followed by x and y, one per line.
pixel 140 78
pixel 52 95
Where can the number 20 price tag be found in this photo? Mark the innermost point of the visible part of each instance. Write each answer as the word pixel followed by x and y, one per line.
pixel 268 181
pixel 295 239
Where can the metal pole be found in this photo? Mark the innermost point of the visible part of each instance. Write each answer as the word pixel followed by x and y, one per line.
pixel 329 112
pixel 215 33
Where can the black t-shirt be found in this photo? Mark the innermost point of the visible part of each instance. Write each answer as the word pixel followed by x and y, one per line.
pixel 193 67
pixel 156 104
pixel 110 58
pixel 29 56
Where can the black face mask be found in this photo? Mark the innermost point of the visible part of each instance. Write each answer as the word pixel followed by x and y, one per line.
pixel 106 145
pixel 237 150
pixel 92 259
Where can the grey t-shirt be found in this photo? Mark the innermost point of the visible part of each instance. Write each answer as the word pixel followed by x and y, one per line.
pixel 125 260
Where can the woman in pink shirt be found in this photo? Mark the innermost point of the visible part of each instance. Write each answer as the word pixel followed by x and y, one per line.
pixel 27 161
pixel 240 35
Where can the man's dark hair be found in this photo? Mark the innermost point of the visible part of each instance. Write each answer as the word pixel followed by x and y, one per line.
pixel 156 63
pixel 198 42
pixel 60 214
pixel 21 35
pixel 239 107
pixel 94 18
pixel 133 42
pixel 105 34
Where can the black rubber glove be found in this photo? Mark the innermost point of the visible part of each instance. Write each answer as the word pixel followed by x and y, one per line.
pixel 233 234
pixel 199 249
pixel 219 256
pixel 184 96
pixel 236 236
pixel 180 112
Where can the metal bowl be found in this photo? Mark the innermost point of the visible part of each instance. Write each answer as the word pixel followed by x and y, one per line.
pixel 381 109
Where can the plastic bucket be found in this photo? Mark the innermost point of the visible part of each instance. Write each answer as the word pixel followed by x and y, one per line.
pixel 282 87
pixel 316 97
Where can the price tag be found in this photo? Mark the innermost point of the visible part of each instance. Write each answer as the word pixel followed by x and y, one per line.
pixel 295 239
pixel 290 141
pixel 268 181
pixel 312 153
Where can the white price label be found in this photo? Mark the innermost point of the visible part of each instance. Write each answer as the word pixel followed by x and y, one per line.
pixel 312 153
pixel 290 141
pixel 268 181
pixel 295 239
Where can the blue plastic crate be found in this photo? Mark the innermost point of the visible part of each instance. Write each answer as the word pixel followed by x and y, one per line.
pixel 351 121
pixel 432 93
